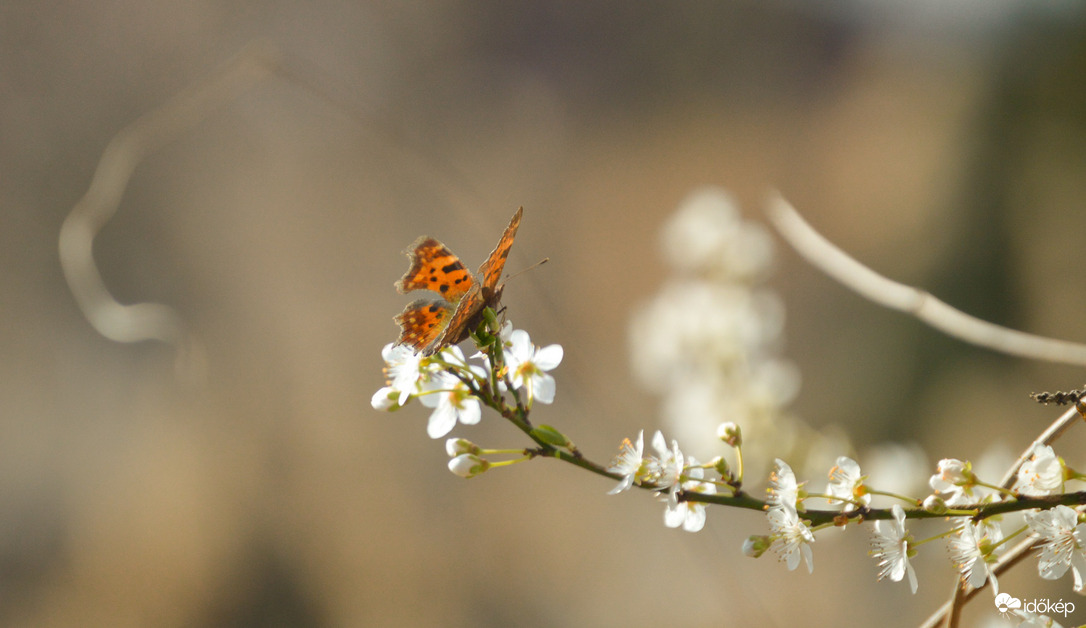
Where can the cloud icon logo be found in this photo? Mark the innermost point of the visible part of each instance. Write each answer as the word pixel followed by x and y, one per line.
pixel 1005 603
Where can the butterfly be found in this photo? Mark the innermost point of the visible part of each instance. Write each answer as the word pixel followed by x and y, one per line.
pixel 430 325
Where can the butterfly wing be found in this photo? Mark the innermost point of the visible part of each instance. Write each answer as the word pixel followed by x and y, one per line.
pixel 486 293
pixel 421 322
pixel 435 267
pixel 463 319
pixel 491 270
pixel 429 325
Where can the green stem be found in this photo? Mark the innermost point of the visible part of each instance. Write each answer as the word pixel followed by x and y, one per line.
pixel 506 463
pixel 951 532
pixel 908 500
pixel 999 489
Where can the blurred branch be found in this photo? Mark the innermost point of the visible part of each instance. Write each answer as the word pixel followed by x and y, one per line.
pixel 831 260
pixel 156 321
pixel 1049 436
pixel 145 321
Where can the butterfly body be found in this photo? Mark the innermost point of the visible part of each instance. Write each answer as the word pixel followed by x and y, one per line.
pixel 431 324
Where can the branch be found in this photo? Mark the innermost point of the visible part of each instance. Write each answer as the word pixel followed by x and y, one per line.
pixel 144 321
pixel 1049 436
pixel 825 256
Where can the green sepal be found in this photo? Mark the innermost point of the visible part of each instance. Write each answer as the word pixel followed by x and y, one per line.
pixel 551 436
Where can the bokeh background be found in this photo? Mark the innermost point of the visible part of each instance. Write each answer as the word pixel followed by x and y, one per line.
pixel 942 143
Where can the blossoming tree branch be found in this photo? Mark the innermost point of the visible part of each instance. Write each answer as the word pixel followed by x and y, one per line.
pixel 508 374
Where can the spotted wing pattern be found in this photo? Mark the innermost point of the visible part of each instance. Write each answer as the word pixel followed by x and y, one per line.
pixel 429 325
pixel 435 267
pixel 422 321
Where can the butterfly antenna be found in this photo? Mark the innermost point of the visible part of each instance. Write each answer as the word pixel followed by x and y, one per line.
pixel 524 270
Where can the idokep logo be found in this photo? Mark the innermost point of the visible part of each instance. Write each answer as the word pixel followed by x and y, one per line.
pixel 1006 604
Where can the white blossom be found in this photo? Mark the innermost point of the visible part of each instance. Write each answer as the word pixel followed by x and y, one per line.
pixel 1041 475
pixel 847 484
pixel 690 515
pixel 793 536
pixel 890 547
pixel 629 462
pixel 529 365
pixel 783 490
pixel 967 551
pixel 452 401
pixel 954 482
pixel 1063 543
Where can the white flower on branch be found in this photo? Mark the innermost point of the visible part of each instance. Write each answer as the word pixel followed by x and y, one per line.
pixel 793 537
pixel 954 482
pixel 451 399
pixel 629 463
pixel 404 370
pixel 529 365
pixel 783 490
pixel 689 515
pixel 890 547
pixel 970 550
pixel 847 484
pixel 1063 543
pixel 666 468
pixel 1041 475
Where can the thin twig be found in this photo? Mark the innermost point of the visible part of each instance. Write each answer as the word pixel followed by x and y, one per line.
pixel 825 256
pixel 145 321
pixel 1049 436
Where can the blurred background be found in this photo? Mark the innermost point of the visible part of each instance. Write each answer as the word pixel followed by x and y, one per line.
pixel 941 143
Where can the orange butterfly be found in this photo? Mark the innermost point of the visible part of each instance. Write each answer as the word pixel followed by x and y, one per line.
pixel 430 325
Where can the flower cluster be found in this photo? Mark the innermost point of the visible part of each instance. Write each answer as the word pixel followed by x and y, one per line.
pixel 709 340
pixel 668 472
pixel 972 543
pixel 450 385
pixel 790 534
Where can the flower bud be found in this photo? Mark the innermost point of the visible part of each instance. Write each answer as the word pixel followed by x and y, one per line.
pixel 456 446
pixel 935 505
pixel 721 466
pixel 730 433
pixel 756 545
pixel 385 399
pixel 468 465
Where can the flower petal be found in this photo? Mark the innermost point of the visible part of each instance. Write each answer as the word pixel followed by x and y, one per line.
pixel 674 515
pixel 470 412
pixel 695 519
pixel 381 400
pixel 543 388
pixel 520 349
pixel 549 357
pixel 442 421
